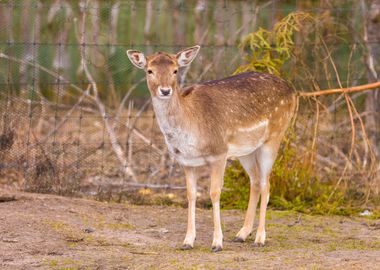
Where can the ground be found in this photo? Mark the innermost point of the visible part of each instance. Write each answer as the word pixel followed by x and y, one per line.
pixel 51 232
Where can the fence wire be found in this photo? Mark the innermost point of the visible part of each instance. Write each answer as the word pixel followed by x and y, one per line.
pixel 54 135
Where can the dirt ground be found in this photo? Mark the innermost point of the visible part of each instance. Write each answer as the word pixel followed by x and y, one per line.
pixel 51 232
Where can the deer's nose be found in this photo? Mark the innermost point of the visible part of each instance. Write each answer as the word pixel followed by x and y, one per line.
pixel 165 91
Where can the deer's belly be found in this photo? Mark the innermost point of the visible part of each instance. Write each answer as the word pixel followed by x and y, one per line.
pixel 191 156
pixel 188 151
pixel 197 161
pixel 239 150
pixel 246 140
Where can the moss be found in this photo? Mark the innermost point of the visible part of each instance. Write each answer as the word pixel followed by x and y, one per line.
pixel 119 226
pixel 202 249
pixel 51 263
pixel 62 264
pixel 280 214
pixel 357 244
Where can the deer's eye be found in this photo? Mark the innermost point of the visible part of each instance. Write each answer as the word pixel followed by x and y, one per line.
pixel 175 71
pixel 150 71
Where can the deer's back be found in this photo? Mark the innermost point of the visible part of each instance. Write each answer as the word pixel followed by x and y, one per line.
pixel 250 95
pixel 238 113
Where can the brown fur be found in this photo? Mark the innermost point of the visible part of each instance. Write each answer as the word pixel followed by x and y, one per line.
pixel 244 115
pixel 218 108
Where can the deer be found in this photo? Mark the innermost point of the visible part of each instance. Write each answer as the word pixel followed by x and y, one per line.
pixel 244 116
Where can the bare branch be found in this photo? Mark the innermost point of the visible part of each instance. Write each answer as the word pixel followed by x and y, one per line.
pixel 368 86
pixel 110 130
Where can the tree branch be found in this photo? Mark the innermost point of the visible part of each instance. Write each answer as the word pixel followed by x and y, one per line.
pixel 369 86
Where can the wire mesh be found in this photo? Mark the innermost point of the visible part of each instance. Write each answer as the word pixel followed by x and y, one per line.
pixel 54 137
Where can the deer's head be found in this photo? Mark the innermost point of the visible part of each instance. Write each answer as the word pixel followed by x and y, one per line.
pixel 162 69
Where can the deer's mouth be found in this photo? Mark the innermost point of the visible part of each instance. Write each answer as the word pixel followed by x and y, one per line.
pixel 165 92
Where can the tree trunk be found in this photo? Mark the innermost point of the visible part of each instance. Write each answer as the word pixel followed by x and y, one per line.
pixel 372 41
pixel 178 23
pixel 199 14
pixel 114 21
pixel 25 33
pixel 219 17
pixel 232 36
pixel 148 21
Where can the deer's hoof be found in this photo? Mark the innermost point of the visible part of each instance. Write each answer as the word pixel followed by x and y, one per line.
pixel 238 239
pixel 258 244
pixel 186 247
pixel 216 249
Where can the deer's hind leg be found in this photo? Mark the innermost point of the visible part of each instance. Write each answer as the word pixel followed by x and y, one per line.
pixel 266 156
pixel 251 166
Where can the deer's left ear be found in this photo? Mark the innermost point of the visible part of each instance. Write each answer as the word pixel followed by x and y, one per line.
pixel 137 58
pixel 186 56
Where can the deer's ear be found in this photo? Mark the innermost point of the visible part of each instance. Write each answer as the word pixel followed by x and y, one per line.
pixel 186 56
pixel 137 58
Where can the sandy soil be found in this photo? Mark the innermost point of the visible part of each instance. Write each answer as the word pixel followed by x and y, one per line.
pixel 51 232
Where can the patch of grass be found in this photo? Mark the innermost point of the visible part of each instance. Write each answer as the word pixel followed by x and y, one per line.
pixel 62 264
pixel 357 244
pixel 353 244
pixel 101 224
pixel 280 214
pixel 120 226
pixel 52 263
pixel 149 197
pixel 69 233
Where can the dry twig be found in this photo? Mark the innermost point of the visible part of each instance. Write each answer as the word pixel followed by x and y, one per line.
pixel 110 130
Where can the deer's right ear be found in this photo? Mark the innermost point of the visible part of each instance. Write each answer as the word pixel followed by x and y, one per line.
pixel 186 56
pixel 137 58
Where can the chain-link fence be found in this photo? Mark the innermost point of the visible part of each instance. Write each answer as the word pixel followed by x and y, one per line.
pixel 59 134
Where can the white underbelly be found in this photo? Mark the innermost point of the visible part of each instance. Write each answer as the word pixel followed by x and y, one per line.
pixel 197 161
pixel 246 140
pixel 233 151
pixel 240 150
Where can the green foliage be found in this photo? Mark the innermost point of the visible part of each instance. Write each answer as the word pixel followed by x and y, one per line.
pixel 294 181
pixel 269 50
pixel 294 186
pixel 235 193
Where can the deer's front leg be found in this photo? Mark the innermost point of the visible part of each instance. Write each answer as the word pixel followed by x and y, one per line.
pixel 217 173
pixel 191 186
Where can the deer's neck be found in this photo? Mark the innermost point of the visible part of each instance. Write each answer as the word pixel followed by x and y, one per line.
pixel 169 113
pixel 178 127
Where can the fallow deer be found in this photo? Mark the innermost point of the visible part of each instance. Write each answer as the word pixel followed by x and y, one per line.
pixel 243 116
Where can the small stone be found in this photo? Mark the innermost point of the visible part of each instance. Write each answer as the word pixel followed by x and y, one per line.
pixel 365 213
pixel 9 240
pixel 7 198
pixel 89 230
pixel 163 230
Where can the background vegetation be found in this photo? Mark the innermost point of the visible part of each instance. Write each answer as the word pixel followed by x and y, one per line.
pixel 329 162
